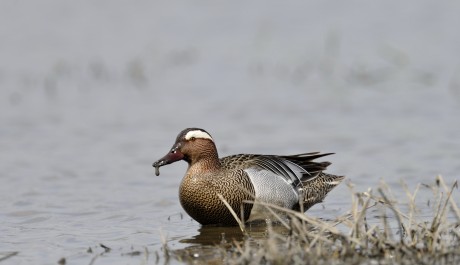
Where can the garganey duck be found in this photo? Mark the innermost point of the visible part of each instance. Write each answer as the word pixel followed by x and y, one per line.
pixel 292 181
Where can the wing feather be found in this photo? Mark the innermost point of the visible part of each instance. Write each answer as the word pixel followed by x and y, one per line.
pixel 294 168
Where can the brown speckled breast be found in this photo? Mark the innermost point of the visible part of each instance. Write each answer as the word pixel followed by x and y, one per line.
pixel 198 196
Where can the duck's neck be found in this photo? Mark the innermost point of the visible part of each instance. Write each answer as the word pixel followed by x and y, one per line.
pixel 205 162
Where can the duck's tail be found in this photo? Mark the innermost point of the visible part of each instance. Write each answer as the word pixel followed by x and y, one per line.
pixel 315 190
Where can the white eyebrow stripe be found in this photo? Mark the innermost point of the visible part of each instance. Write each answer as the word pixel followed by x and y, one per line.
pixel 198 134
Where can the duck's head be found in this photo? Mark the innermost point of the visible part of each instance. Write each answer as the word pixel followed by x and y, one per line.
pixel 191 145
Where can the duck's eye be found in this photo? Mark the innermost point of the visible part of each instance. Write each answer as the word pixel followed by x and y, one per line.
pixel 192 139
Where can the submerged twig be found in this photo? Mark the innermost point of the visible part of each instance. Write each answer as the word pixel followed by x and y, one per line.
pixel 9 255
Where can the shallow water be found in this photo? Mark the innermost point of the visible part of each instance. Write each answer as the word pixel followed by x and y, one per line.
pixel 92 93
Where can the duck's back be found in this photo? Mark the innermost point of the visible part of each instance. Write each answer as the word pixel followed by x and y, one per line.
pixel 283 180
pixel 299 167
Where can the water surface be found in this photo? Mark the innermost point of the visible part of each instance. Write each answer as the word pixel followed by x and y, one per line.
pixel 92 93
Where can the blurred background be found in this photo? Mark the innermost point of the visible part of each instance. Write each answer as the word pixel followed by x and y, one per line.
pixel 92 92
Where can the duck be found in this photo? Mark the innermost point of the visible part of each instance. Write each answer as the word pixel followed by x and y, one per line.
pixel 244 182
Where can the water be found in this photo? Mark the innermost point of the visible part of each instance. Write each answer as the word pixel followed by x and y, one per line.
pixel 93 92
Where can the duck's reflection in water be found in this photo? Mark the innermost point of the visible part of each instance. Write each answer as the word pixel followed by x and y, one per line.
pixel 213 244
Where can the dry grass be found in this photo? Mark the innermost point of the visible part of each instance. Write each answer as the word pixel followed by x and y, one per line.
pixel 374 231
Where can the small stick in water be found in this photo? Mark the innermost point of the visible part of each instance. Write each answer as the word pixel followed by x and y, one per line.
pixel 157 171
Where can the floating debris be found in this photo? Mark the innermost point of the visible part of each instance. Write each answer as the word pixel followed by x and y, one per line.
pixel 106 248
